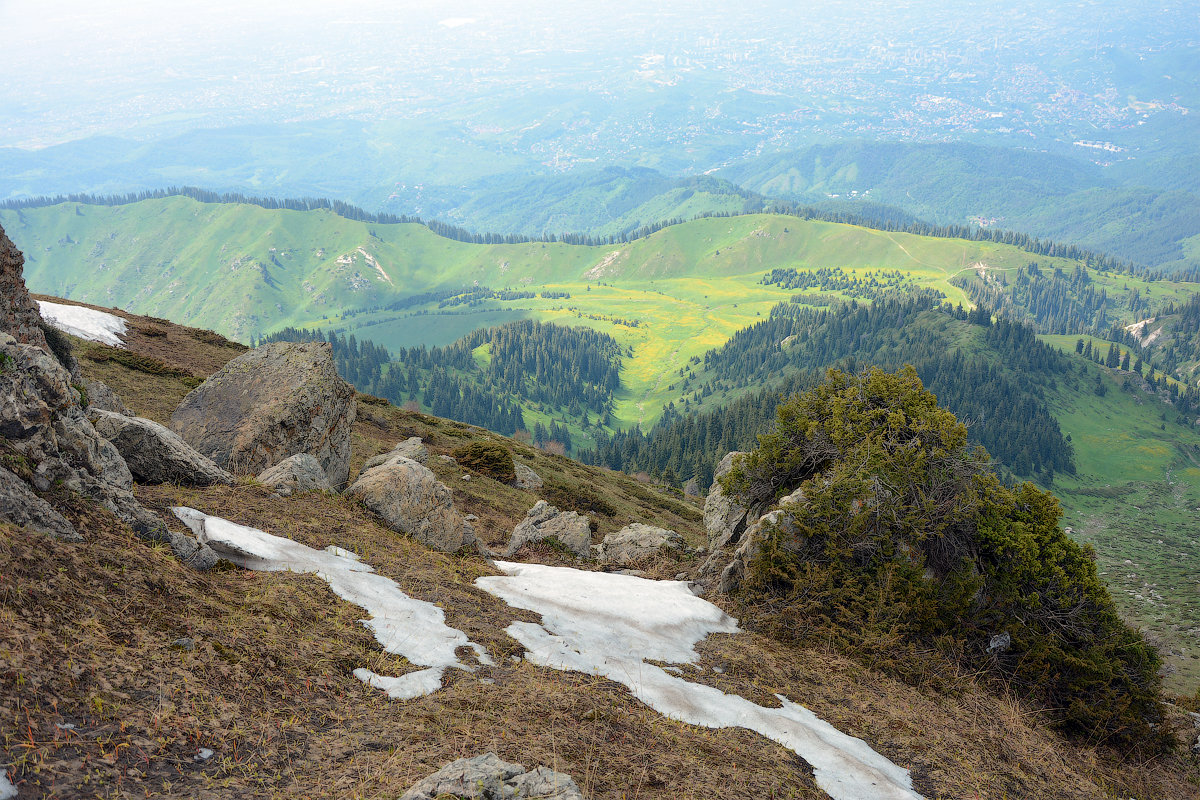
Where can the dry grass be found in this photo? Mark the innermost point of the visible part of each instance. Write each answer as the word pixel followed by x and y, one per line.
pixel 86 635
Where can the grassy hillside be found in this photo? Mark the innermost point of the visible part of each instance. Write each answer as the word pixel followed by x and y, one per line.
pixel 244 270
pixel 1138 213
pixel 266 682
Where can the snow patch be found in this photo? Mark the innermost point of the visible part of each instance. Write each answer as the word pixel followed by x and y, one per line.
pixel 86 323
pixel 611 625
pixel 7 790
pixel 456 22
pixel 404 626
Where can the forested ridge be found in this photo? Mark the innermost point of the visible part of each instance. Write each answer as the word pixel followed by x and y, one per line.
pixel 484 377
pixel 1053 301
pixel 992 375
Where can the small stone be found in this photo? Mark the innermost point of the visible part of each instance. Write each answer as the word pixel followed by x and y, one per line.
pixel 1000 643
pixel 203 754
pixel 186 643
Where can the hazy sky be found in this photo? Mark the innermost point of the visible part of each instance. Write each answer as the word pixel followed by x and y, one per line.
pixel 74 67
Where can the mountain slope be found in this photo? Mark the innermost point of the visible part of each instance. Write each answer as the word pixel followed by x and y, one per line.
pixel 264 680
pixel 1047 195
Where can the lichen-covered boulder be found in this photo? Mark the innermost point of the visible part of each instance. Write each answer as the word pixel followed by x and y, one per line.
pixel 270 403
pixel 154 453
pixel 487 777
pixel 411 500
pixel 411 448
pixel 636 542
pixel 295 475
pixel 544 521
pixel 724 518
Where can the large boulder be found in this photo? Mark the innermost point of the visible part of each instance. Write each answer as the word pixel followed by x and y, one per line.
pixel 724 518
pixel 637 542
pixel 544 521
pixel 154 453
pixel 44 426
pixel 411 500
pixel 411 448
pixel 487 777
pixel 270 403
pixel 295 475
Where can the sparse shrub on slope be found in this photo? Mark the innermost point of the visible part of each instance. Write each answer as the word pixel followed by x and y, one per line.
pixel 905 543
pixel 488 458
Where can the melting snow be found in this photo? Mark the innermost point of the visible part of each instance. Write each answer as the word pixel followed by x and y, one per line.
pixel 610 625
pixel 411 628
pixel 7 790
pixel 86 323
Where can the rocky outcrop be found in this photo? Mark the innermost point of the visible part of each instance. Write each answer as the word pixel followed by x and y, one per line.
pixel 411 448
pixel 270 403
pixel 487 777
pixel 637 542
pixel 295 475
pixel 692 488
pixel 19 316
pixel 526 478
pixel 154 453
pixel 44 425
pixel 544 521
pixel 724 518
pixel 411 500
pixel 101 397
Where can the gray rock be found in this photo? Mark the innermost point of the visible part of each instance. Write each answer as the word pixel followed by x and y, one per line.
pixel 796 498
pixel 101 397
pixel 19 316
pixel 41 418
pixel 526 477
pixel 20 506
pixel 411 448
pixel 733 574
pixel 487 777
pixel 724 519
pixel 270 403
pixel 544 521
pixel 411 500
pixel 154 453
pixel 295 475
pixel 636 542
pixel 692 488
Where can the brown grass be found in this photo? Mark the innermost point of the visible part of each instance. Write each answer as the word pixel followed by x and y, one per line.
pixel 86 635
